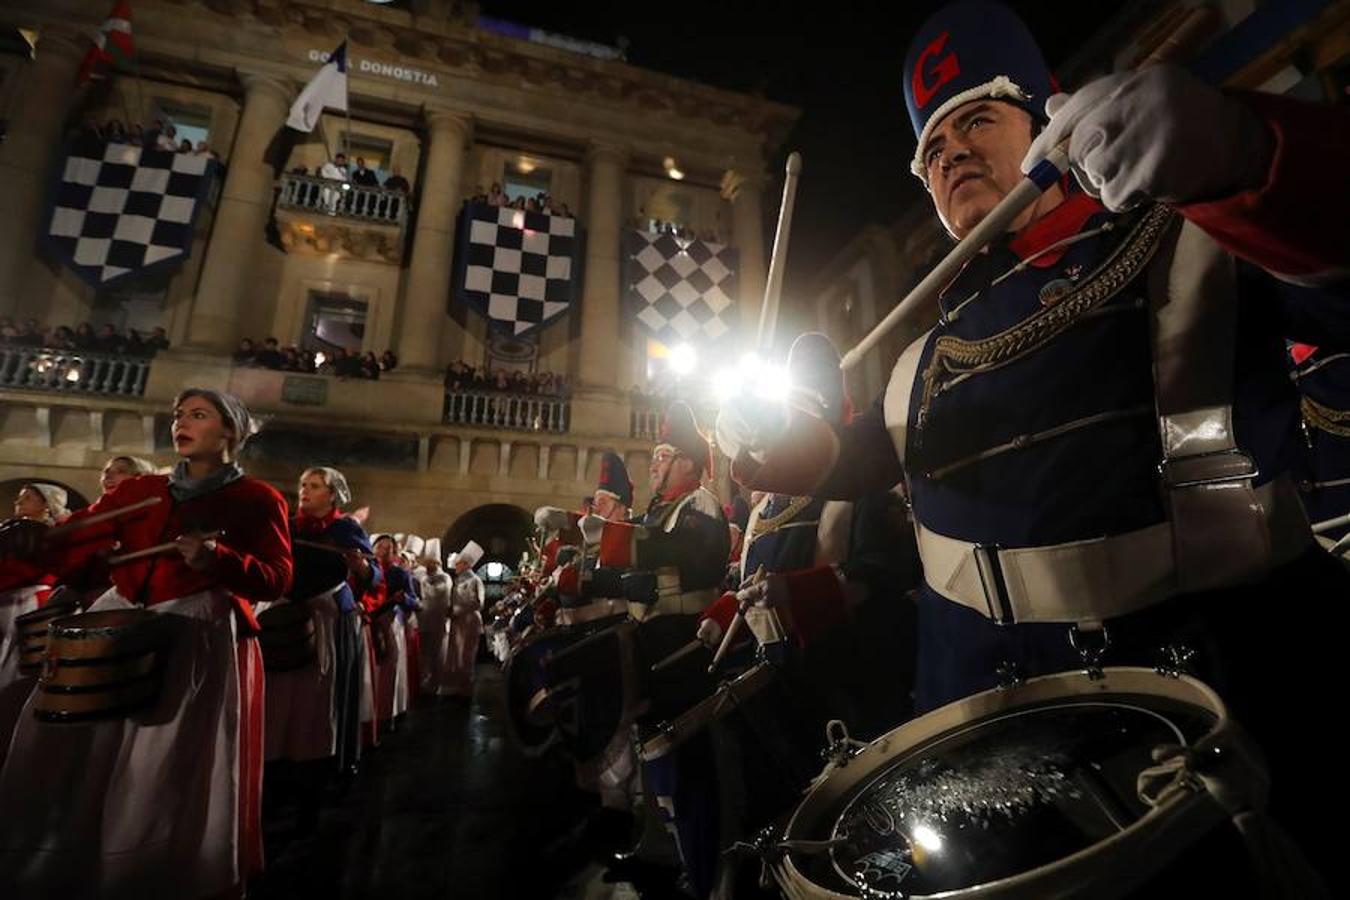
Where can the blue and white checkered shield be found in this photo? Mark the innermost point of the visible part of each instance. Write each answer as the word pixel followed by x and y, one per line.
pixel 119 210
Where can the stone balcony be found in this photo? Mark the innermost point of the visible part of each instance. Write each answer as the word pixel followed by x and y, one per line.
pixel 323 217
pixel 73 371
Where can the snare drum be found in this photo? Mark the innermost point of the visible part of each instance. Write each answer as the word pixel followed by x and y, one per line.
pixel 287 636
pixel 30 631
pixel 1034 791
pixel 101 665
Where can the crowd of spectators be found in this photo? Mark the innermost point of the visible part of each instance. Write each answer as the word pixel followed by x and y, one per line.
pixel 539 203
pixel 106 339
pixel 160 136
pixel 684 233
pixel 338 169
pixel 338 362
pixel 461 376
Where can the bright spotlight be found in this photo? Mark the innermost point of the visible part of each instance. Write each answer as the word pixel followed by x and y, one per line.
pixel 319 358
pixel 725 383
pixel 494 570
pixel 72 375
pixel 927 838
pixel 683 359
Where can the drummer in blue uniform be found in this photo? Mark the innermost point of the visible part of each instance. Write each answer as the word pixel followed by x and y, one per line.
pixel 1099 467
pixel 1323 381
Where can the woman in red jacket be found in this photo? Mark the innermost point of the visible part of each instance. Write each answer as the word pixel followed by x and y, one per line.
pixel 163 802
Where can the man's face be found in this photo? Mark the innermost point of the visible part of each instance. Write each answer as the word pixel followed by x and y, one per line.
pixel 608 507
pixel 659 469
pixel 360 163
pixel 973 159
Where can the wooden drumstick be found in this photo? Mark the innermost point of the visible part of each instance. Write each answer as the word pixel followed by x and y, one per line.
pixel 678 655
pixel 773 286
pixel 156 549
pixel 732 627
pixel 1041 178
pixel 331 548
pixel 59 530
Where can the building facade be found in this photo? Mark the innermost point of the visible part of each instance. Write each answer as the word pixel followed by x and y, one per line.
pixel 451 106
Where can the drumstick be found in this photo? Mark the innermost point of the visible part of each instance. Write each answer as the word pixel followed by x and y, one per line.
pixel 320 545
pixel 1330 524
pixel 735 623
pixel 151 551
pixel 1043 176
pixel 773 286
pixel 95 519
pixel 678 655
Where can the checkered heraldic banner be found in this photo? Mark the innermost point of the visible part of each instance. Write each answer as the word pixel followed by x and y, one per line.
pixel 519 269
pixel 681 291
pixel 119 210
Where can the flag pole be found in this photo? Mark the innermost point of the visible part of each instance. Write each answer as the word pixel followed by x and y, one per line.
pixel 347 144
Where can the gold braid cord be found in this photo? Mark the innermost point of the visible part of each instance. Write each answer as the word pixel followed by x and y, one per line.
pixel 765 527
pixel 1324 418
pixel 953 356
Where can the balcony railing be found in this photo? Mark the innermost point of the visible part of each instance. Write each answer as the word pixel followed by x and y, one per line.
pixel 346 200
pixel 72 371
pixel 519 412
pixel 644 423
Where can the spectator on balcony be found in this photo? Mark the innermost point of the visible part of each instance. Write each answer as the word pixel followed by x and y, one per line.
pixel 396 182
pixel 185 146
pixel 269 357
pixel 290 358
pixel 157 341
pixel 518 203
pixel 363 177
pixel 167 139
pixel 136 134
pixel 388 361
pixel 335 170
pixel 299 170
pixel 115 133
pixel 564 211
pixel 532 205
pixel 204 149
pixel 348 365
pixel 370 366
pixel 244 354
pixel 61 338
pixel 109 341
pixel 85 339
pixel 495 196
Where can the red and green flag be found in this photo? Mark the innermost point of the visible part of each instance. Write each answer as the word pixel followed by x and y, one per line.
pixel 113 46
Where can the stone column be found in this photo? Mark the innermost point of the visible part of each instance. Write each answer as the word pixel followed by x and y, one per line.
pixel 42 99
pixel 600 300
pixel 237 235
pixel 747 223
pixel 427 282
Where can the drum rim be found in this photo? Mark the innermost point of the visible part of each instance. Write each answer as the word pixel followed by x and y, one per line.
pixel 46 614
pixel 1191 812
pixel 670 735
pixel 69 628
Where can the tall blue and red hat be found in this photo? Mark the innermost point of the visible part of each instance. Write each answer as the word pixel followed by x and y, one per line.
pixel 971 50
pixel 614 478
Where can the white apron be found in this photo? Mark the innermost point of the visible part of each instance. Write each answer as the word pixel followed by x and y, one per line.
pixel 301 717
pixel 140 807
pixel 14 686
pixel 435 623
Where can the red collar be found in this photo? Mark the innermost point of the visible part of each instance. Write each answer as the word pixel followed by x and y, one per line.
pixel 316 523
pixel 676 491
pixel 1062 222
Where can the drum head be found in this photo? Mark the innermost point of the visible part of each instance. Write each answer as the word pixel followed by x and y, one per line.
pixel 999 796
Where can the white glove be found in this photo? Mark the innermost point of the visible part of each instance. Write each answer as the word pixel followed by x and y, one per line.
pixel 1156 133
pixel 750 424
pixel 552 518
pixel 592 527
pixel 710 633
pixel 756 594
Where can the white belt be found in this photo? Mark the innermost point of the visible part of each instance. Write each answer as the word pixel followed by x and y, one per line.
pixel 589 612
pixel 1084 581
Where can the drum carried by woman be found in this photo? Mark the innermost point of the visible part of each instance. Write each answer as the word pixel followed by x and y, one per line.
pixel 166 801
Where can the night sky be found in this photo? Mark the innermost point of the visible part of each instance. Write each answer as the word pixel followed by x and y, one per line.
pixel 838 62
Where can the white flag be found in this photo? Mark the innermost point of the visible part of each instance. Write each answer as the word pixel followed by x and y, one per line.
pixel 326 90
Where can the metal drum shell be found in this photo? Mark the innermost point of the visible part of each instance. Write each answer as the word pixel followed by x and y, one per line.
pixel 1146 845
pixel 664 737
pixel 119 654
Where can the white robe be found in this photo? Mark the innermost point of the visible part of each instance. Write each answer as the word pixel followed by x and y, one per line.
pixel 435 620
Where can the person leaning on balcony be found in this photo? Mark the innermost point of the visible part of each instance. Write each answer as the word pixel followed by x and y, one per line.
pixel 269 357
pixel 388 361
pixel 363 177
pixel 109 341
pixel 245 353
pixel 85 339
pixel 157 341
pixel 396 182
pixel 333 170
pixel 496 197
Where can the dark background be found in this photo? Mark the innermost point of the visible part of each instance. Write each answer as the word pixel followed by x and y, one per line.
pixel 839 63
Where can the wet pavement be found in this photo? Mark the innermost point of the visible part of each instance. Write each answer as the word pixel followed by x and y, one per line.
pixel 447 807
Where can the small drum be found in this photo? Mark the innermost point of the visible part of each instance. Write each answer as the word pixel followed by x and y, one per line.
pixel 30 631
pixel 1050 788
pixel 381 635
pixel 101 665
pixel 287 636
pixel 659 739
